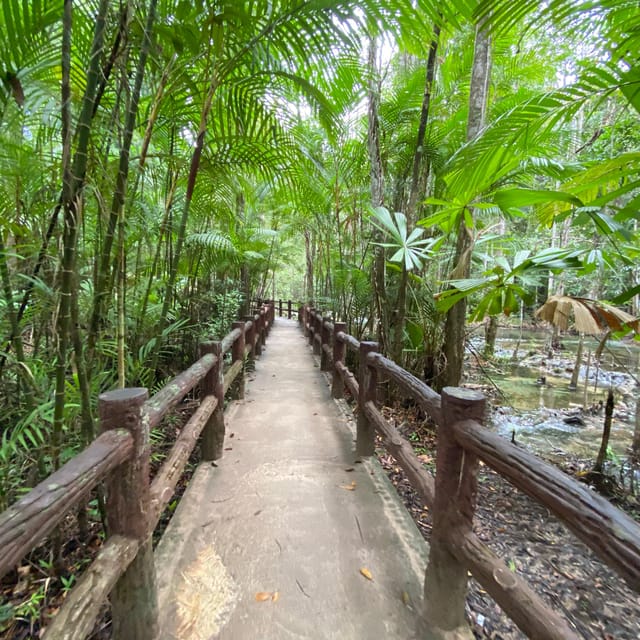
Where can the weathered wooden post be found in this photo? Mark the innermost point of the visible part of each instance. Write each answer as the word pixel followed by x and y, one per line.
pixel 213 384
pixel 310 315
pixel 257 346
pixel 250 335
pixel 317 333
pixel 339 348
pixel 367 381
pixel 445 587
pixel 264 327
pixel 289 309
pixel 301 319
pixel 237 354
pixel 134 598
pixel 324 357
pixel 280 308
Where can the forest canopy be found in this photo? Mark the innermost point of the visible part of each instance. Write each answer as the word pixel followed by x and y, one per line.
pixel 408 166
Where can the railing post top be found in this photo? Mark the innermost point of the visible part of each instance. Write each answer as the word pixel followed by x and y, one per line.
pixel 213 346
pixel 238 324
pixel 367 347
pixel 132 395
pixel 339 326
pixel 464 403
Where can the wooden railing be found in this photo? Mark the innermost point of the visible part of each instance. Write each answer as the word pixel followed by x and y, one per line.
pixel 451 495
pixel 281 307
pixel 124 569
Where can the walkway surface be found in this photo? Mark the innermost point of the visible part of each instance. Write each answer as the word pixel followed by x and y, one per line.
pixel 269 542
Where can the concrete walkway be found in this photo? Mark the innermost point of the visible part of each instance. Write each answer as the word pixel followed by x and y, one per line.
pixel 269 542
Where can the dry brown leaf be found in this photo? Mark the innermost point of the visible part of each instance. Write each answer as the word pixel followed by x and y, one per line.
pixel 424 458
pixel 349 487
pixel 263 596
pixel 366 573
pixel 275 597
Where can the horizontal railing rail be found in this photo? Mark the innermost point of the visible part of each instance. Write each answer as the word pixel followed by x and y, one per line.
pixel 461 442
pixel 123 569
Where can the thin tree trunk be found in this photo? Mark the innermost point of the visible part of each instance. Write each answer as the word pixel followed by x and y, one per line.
pixel 418 173
pixel 245 283
pixel 164 226
pixel 606 432
pixel 490 335
pixel 400 312
pixel 376 173
pixel 454 330
pixel 635 447
pixel 309 290
pixel 191 183
pixel 117 205
pixel 575 375
pixel 73 182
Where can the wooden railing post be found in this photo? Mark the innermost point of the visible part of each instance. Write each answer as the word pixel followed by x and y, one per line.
pixel 310 315
pixel 289 309
pixel 339 348
pixel 367 380
pixel 134 598
pixel 324 357
pixel 317 333
pixel 280 308
pixel 238 355
pixel 250 336
pixel 264 327
pixel 257 345
pixel 445 587
pixel 213 384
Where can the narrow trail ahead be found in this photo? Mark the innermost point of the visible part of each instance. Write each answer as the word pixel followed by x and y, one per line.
pixel 270 541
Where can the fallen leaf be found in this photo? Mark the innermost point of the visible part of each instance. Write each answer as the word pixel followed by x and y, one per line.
pixel 275 596
pixel 406 599
pixel 425 459
pixel 263 596
pixel 349 469
pixel 366 573
pixel 349 487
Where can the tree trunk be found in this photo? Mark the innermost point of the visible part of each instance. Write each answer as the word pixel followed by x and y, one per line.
pixel 419 172
pixel 604 445
pixel 377 196
pixel 490 335
pixel 117 204
pixel 454 330
pixel 308 280
pixel 182 229
pixel 73 182
pixel 635 447
pixel 575 375
pixel 398 318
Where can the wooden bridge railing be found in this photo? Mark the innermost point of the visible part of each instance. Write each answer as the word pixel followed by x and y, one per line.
pixel 123 569
pixel 451 495
pixel 280 307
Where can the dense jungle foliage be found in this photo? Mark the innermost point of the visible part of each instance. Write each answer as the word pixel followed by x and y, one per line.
pixel 409 166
